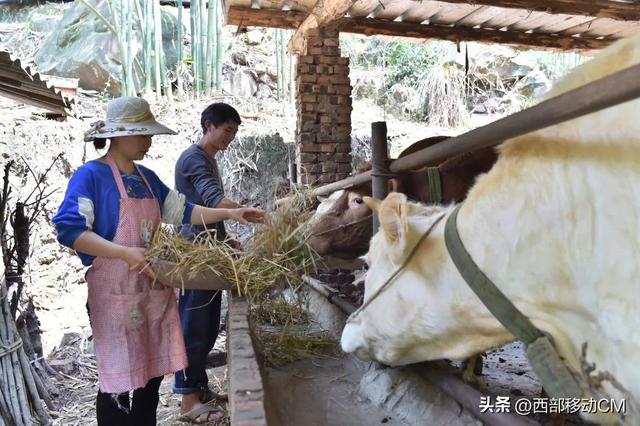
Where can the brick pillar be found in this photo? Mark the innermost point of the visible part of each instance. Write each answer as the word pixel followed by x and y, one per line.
pixel 323 132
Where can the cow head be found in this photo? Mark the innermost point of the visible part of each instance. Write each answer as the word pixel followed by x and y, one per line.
pixel 399 324
pixel 341 226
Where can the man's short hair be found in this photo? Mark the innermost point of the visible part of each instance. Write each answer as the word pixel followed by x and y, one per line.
pixel 219 113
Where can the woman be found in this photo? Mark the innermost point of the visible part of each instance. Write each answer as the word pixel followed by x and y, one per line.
pixel 111 208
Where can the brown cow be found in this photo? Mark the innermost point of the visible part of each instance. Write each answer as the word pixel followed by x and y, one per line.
pixel 342 226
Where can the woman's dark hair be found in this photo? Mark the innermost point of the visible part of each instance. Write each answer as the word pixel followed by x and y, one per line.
pixel 219 114
pixel 99 143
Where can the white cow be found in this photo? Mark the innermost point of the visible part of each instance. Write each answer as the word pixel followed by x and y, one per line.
pixel 555 225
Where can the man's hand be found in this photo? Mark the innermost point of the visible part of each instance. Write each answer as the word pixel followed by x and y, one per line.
pixel 134 256
pixel 247 214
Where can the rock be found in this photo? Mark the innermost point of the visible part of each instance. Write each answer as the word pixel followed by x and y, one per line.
pixel 264 91
pixel 83 47
pixel 240 83
pixel 239 58
pixel 254 37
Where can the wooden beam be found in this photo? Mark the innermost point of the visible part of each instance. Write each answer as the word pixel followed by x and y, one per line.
pixel 269 18
pixel 621 11
pixel 373 27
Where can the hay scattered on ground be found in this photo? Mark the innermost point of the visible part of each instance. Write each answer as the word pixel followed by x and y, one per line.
pixel 286 346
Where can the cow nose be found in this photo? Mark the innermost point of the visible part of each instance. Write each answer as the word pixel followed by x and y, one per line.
pixel 352 341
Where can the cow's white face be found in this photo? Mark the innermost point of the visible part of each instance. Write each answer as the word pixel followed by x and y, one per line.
pixel 396 323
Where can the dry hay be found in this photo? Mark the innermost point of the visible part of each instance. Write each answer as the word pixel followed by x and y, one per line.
pixel 275 258
pixel 281 346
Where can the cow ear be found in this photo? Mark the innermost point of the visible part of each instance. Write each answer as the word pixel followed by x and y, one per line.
pixel 320 198
pixel 372 203
pixel 393 217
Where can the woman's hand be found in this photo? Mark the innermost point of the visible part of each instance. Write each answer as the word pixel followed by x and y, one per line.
pixel 245 215
pixel 134 256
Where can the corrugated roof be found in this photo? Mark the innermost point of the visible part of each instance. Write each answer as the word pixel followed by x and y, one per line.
pixel 555 24
pixel 23 84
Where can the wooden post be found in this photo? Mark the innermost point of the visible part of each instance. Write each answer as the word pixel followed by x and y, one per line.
pixel 380 157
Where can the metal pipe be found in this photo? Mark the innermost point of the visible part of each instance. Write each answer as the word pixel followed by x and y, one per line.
pixel 466 395
pixel 380 160
pixel 332 297
pixel 616 88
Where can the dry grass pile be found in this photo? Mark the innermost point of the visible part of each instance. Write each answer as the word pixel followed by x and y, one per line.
pixel 274 259
pixel 283 348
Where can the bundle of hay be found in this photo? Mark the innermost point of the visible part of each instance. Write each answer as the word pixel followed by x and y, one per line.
pixel 276 256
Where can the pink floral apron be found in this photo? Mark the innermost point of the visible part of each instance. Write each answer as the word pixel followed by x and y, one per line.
pixel 135 323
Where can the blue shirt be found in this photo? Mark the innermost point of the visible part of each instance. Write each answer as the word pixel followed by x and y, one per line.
pixel 198 178
pixel 92 202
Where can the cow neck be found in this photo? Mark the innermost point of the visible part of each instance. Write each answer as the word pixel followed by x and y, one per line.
pixel 556 377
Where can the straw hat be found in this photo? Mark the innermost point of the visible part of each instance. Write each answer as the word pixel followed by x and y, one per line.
pixel 127 116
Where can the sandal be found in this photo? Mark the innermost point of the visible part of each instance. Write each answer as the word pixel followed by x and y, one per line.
pixel 200 415
pixel 209 396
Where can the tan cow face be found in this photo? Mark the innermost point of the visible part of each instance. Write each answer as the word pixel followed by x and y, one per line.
pixel 389 329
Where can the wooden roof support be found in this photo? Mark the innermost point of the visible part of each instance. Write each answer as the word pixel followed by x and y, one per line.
pixel 269 18
pixel 324 12
pixel 621 11
pixel 405 29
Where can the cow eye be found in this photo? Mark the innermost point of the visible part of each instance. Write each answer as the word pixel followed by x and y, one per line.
pixel 358 200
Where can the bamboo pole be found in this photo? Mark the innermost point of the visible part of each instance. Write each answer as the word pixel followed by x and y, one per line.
pixel 157 47
pixel 147 7
pixel 179 47
pixel 218 55
pixel 210 47
pixel 278 59
pixel 192 31
pixel 203 43
pixel 129 38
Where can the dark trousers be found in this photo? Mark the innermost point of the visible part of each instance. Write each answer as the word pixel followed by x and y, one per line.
pixel 200 319
pixel 116 410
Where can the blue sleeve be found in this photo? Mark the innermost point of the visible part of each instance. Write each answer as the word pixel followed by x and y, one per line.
pixel 163 191
pixel 197 170
pixel 75 215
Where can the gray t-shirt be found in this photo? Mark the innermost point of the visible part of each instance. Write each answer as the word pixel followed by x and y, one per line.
pixel 198 178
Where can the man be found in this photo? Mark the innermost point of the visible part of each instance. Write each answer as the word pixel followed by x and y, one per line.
pixel 198 178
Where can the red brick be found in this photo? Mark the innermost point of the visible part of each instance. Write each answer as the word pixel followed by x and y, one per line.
pixel 309 78
pixel 308 97
pixel 329 60
pixel 343 147
pixel 305 138
pixel 327 147
pixel 304 157
pixel 343 109
pixel 316 50
pixel 341 157
pixel 323 69
pixel 314 168
pixel 313 32
pixel 343 90
pixel 344 168
pixel 342 119
pixel 305 59
pixel 316 88
pixel 340 79
pixel 305 88
pixel 314 42
pixel 340 69
pixel 310 147
pixel 310 127
pixel 324 138
pixel 308 107
pixel 342 61
pixel 330 51
pixel 330 42
pixel 328 167
pixel 324 79
pixel 325 119
pixel 308 117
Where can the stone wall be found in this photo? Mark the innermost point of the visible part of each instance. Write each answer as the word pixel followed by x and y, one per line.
pixel 323 132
